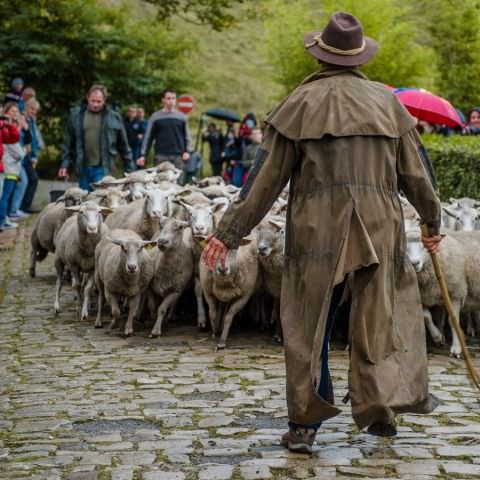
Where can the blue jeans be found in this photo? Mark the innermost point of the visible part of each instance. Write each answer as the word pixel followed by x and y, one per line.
pixel 91 175
pixel 8 188
pixel 19 192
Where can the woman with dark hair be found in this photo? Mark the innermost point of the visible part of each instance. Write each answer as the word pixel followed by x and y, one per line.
pixel 473 126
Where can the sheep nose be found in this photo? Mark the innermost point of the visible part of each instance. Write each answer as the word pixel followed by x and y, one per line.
pixel 263 250
pixel 132 268
pixel 156 213
pixel 91 228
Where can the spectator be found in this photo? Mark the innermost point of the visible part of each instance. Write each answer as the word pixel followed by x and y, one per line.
pixel 22 182
pixel 168 128
pixel 250 152
pixel 95 133
pixel 27 94
pixel 216 141
pixel 15 93
pixel 12 156
pixel 141 130
pixel 30 160
pixel 132 128
pixel 473 127
pixel 249 122
pixel 233 154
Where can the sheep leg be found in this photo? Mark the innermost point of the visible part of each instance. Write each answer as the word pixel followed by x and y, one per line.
pixel 77 285
pixel 86 296
pixel 132 313
pixel 33 261
pixel 98 321
pixel 113 301
pixel 167 304
pixel 476 322
pixel 470 329
pixel 436 335
pixel 201 315
pixel 278 335
pixel 455 349
pixel 59 269
pixel 212 312
pixel 235 307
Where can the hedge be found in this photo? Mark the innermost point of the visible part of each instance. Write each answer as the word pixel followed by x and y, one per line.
pixel 456 160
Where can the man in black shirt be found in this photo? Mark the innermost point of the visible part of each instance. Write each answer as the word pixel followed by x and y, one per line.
pixel 169 129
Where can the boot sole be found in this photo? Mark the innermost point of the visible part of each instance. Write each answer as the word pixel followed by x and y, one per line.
pixel 300 448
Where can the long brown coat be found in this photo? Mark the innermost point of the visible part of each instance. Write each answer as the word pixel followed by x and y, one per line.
pixel 347 146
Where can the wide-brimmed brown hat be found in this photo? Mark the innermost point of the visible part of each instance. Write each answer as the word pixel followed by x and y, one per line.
pixel 341 42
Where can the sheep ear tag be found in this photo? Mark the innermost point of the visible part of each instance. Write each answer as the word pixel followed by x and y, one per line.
pixel 149 247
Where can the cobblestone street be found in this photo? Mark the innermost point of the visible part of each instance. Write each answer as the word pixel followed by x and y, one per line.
pixel 80 403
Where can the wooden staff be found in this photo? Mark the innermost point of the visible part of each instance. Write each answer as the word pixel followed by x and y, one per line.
pixel 452 318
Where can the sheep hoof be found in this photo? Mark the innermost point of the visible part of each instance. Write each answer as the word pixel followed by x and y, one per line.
pixel 221 345
pixel 32 272
pixel 155 335
pixel 56 308
pixel 98 325
pixel 202 325
pixel 128 333
pixel 455 355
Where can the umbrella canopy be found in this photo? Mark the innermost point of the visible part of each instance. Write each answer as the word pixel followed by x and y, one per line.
pixel 429 107
pixel 222 114
pixel 389 87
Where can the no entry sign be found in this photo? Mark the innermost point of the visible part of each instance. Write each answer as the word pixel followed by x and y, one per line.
pixel 185 103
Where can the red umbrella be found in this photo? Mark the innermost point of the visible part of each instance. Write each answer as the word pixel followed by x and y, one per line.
pixel 389 87
pixel 429 107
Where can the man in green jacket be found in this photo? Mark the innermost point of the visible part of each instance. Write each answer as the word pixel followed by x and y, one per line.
pixel 347 146
pixel 95 133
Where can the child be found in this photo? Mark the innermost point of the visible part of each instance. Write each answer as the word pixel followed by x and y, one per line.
pixel 12 156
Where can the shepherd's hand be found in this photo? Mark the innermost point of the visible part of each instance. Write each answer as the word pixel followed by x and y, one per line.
pixel 214 251
pixel 432 244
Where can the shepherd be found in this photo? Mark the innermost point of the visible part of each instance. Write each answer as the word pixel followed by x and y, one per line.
pixel 348 147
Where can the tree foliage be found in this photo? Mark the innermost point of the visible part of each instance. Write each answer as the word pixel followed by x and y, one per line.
pixel 454 26
pixel 61 47
pixel 403 58
pixel 219 14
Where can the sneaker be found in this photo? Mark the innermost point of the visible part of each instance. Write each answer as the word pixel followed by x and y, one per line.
pixel 7 225
pixel 18 214
pixel 299 440
pixel 382 429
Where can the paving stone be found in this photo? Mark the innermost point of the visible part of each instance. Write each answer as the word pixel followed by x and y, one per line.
pixel 459 451
pixel 458 468
pixel 219 421
pixel 417 468
pixel 217 472
pixel 137 458
pixel 255 473
pixel 122 473
pixel 163 476
pixel 83 476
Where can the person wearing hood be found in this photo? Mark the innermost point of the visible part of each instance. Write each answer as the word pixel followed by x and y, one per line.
pixel 95 134
pixel 15 93
pixel 347 146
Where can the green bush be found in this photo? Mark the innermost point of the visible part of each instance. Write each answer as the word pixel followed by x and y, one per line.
pixel 456 160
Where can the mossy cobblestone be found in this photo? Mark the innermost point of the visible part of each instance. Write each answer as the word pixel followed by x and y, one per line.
pixel 78 403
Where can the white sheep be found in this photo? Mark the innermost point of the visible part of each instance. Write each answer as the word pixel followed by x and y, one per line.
pixel 173 267
pixel 123 269
pixel 49 222
pixel 229 287
pixel 460 260
pixel 75 250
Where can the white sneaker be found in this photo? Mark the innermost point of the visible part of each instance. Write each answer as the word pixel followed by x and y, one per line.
pixel 9 224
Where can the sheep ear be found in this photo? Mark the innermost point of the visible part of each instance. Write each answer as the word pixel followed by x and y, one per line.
pixel 106 210
pixel 76 208
pixel 185 192
pixel 245 241
pixel 182 224
pixel 60 199
pixel 219 206
pixel 278 225
pixel 451 213
pixel 149 244
pixel 116 241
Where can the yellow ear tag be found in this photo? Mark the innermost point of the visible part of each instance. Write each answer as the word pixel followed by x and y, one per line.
pixel 203 243
pixel 149 247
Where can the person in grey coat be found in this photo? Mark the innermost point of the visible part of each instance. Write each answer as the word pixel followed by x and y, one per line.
pixel 95 134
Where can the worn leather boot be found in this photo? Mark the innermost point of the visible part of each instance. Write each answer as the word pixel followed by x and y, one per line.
pixel 382 429
pixel 299 440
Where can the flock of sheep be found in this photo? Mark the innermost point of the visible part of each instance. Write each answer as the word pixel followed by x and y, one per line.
pixel 137 242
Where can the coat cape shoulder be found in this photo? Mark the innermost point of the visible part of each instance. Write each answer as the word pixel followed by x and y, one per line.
pixel 340 102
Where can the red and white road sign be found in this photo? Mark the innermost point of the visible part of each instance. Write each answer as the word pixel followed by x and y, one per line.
pixel 185 103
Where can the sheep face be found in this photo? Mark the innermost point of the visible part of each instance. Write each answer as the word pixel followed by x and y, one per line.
pixel 201 219
pixel 469 219
pixel 89 217
pixel 232 261
pixel 157 203
pixel 130 257
pixel 136 190
pixel 416 252
pixel 270 238
pixel 113 199
pixel 171 234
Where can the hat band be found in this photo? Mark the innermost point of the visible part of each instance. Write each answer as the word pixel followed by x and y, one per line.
pixel 317 40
